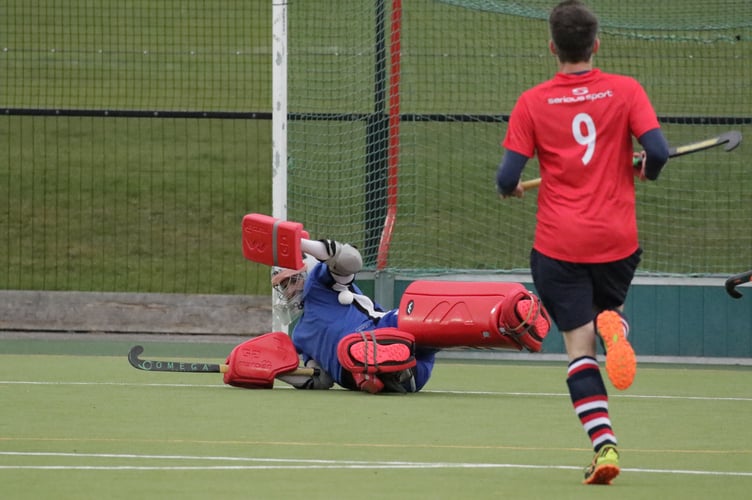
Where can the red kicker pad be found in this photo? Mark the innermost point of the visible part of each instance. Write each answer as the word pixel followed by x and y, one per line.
pixel 273 242
pixel 383 350
pixel 255 363
pixel 444 314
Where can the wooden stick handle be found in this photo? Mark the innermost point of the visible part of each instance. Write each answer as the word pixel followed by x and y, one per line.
pixel 531 184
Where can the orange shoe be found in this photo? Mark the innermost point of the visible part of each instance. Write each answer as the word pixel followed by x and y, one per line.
pixel 621 362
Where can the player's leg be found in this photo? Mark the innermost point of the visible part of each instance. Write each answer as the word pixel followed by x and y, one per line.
pixel 473 314
pixel 590 401
pixel 611 283
pixel 566 291
pixel 425 358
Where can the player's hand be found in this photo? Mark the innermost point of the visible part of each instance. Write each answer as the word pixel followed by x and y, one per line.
pixel 519 192
pixel 638 164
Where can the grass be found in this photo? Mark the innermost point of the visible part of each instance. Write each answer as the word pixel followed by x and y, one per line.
pixel 87 425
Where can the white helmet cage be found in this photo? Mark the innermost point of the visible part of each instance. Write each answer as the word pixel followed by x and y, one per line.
pixel 289 285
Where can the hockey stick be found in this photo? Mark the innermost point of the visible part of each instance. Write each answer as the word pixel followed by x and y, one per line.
pixel 736 280
pixel 150 365
pixel 731 139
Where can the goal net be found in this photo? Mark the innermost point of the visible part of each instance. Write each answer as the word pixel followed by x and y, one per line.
pixel 396 111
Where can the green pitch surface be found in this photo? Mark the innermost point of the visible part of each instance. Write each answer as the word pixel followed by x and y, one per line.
pixel 90 426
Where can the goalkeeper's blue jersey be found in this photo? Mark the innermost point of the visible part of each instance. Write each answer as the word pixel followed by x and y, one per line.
pixel 325 322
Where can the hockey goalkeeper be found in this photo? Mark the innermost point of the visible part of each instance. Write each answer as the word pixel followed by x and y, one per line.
pixel 353 342
pixel 343 337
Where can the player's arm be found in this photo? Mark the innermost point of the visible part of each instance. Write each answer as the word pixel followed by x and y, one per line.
pixel 655 145
pixel 343 260
pixel 508 174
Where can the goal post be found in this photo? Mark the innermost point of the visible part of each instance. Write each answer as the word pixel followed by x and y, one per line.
pixel 279 129
pixel 279 109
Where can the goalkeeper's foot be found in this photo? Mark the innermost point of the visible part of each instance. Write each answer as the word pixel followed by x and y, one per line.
pixel 621 362
pixel 373 353
pixel 533 313
pixel 605 466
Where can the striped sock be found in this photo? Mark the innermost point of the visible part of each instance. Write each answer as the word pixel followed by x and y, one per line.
pixel 590 400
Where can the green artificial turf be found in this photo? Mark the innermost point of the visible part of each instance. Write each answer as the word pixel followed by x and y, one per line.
pixel 90 426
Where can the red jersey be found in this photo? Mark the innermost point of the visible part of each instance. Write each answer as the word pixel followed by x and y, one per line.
pixel 581 128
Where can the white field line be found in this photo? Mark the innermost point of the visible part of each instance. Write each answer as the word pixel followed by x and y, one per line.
pixel 297 463
pixel 430 391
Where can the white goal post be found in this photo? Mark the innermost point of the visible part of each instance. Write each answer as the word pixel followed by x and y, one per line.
pixel 279 125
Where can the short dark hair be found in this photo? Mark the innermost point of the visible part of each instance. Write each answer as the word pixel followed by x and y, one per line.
pixel 574 28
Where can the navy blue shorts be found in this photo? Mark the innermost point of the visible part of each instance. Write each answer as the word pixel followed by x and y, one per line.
pixel 575 293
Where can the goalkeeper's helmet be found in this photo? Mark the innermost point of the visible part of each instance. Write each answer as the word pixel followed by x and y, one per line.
pixel 288 285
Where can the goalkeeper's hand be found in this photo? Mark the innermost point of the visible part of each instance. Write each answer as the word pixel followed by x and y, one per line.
pixel 344 259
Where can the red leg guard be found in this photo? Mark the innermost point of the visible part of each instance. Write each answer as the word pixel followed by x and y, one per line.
pixel 444 314
pixel 255 363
